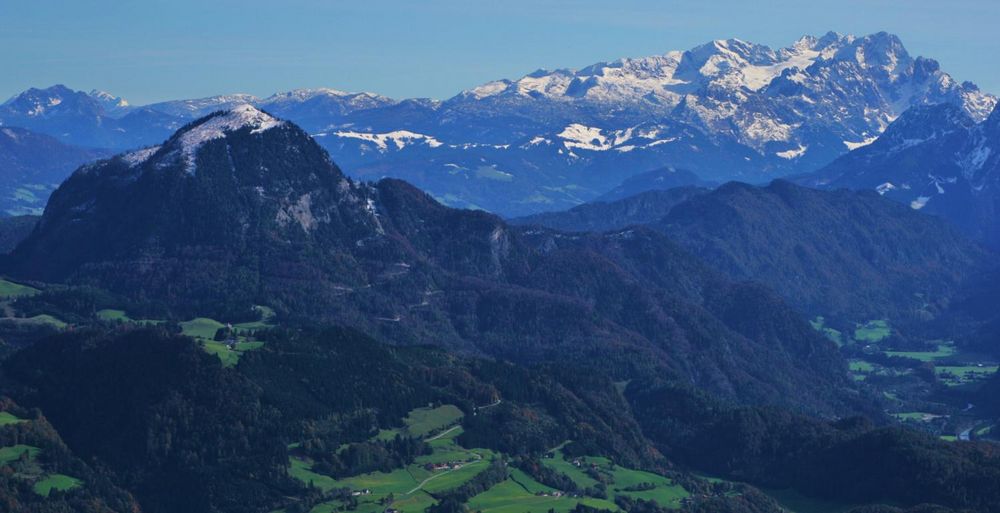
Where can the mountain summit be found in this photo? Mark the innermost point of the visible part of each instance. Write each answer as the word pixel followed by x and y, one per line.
pixel 936 159
pixel 240 208
pixel 725 110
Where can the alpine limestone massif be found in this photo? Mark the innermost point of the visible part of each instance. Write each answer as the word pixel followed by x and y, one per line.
pixel 240 208
pixel 728 109
pixel 936 159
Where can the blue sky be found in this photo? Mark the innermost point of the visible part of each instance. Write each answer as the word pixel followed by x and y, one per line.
pixel 149 50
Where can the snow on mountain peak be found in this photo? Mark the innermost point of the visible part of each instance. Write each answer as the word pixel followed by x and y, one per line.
pixel 216 126
pixel 107 99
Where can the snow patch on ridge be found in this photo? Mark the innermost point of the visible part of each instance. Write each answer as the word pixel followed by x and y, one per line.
pixel 137 157
pixel 851 146
pixel 216 127
pixel 793 153
pixel 884 188
pixel 584 137
pixel 920 202
pixel 399 138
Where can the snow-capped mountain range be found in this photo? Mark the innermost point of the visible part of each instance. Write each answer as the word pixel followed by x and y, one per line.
pixel 728 109
pixel 936 159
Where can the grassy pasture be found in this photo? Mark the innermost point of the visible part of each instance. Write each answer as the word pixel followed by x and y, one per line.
pixel 819 324
pixel 326 507
pixel 561 465
pixel 120 316
pixel 520 496
pixel 9 289
pixel 861 366
pixel 59 482
pixel 302 470
pixel 46 319
pixel 7 418
pixel 918 416
pixel 411 486
pixel 415 502
pixel 872 331
pixel 964 374
pixel 943 351
pixel 203 330
pixel 109 314
pixel 201 327
pixel 12 453
pixel 228 356
pixel 665 492
pixel 424 421
pixel 444 481
pixel 398 481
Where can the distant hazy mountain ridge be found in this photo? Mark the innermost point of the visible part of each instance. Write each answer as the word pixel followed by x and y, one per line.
pixel 725 110
pixel 936 159
pixel 241 208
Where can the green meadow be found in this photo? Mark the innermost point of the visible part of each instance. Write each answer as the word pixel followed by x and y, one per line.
pixel 12 453
pixel 59 482
pixel 203 330
pixel 918 416
pixel 944 350
pixel 121 316
pixel 964 374
pixel 664 491
pixel 521 496
pixel 7 418
pixel 423 421
pixel 9 289
pixel 819 324
pixel 872 331
pixel 861 366
pixel 410 487
pixel 413 488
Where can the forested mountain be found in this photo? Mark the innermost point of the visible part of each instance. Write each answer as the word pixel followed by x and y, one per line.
pixel 86 119
pixel 836 253
pixel 240 208
pixel 620 350
pixel 832 253
pixel 728 109
pixel 15 229
pixel 936 159
pixel 599 216
pixel 32 166
pixel 656 180
pixel 163 416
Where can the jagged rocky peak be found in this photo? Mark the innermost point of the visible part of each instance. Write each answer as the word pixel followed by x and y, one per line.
pixel 40 102
pixel 110 102
pixel 923 122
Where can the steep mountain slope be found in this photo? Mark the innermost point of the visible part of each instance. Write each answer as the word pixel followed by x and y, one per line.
pixel 936 159
pixel 724 110
pixel 240 208
pixel 14 229
pixel 35 458
pixel 599 216
pixel 829 253
pixel 833 253
pixel 32 166
pixel 655 180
